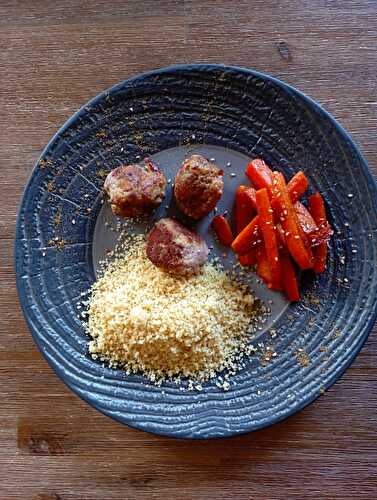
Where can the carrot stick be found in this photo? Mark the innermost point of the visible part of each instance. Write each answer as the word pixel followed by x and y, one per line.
pixel 250 197
pixel 266 224
pixel 289 278
pixel 222 230
pixel 318 211
pixel 243 211
pixel 248 259
pixel 263 269
pixel 293 233
pixel 297 186
pixel 305 218
pixel 259 173
pixel 247 238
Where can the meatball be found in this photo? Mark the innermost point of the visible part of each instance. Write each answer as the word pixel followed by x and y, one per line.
pixel 175 248
pixel 135 189
pixel 198 186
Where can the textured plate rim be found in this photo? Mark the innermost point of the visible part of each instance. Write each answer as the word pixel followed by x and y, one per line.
pixel 337 374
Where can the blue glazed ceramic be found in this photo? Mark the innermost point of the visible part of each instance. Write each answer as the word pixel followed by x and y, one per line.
pixel 235 114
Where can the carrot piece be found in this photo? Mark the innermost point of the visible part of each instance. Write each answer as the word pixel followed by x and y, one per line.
pixel 305 218
pixel 247 238
pixel 281 235
pixel 266 224
pixel 250 197
pixel 289 221
pixel 243 211
pixel 289 278
pixel 248 259
pixel 318 211
pixel 222 230
pixel 259 173
pixel 297 186
pixel 263 269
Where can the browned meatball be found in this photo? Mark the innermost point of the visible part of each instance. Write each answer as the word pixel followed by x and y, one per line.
pixel 175 248
pixel 198 186
pixel 135 189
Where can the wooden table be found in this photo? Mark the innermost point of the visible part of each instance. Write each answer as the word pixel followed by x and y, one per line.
pixel 53 57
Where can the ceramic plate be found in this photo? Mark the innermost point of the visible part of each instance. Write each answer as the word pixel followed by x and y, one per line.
pixel 230 114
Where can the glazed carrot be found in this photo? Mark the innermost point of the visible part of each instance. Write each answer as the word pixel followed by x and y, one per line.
pixel 263 269
pixel 250 197
pixel 318 211
pixel 305 218
pixel 293 233
pixel 243 211
pixel 289 279
pixel 247 238
pixel 280 235
pixel 222 230
pixel 297 186
pixel 267 228
pixel 248 259
pixel 259 173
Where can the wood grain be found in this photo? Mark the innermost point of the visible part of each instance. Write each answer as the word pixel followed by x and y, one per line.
pixel 54 56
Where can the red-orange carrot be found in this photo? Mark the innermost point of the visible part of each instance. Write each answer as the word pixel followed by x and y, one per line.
pixel 297 186
pixel 305 218
pixel 259 173
pixel 289 221
pixel 243 210
pixel 318 211
pixel 247 238
pixel 266 224
pixel 248 259
pixel 250 197
pixel 263 269
pixel 289 279
pixel 222 229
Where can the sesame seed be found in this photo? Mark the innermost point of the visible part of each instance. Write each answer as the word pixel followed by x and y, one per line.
pixel 232 174
pixel 73 221
pixel 229 164
pixel 350 195
pixel 346 280
pixel 131 108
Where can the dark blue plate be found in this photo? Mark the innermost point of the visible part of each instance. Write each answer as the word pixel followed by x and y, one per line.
pixel 235 114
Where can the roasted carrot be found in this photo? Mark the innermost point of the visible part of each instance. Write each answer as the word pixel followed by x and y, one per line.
pixel 263 269
pixel 250 198
pixel 293 233
pixel 222 230
pixel 259 173
pixel 243 210
pixel 289 279
pixel 267 228
pixel 248 237
pixel 248 259
pixel 318 211
pixel 305 218
pixel 297 186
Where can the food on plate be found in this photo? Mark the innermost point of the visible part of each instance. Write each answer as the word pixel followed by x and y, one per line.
pixel 275 229
pixel 318 211
pixel 198 186
pixel 164 325
pixel 135 189
pixel 223 230
pixel 176 249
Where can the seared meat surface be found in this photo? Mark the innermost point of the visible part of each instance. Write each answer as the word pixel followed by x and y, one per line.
pixel 176 249
pixel 198 186
pixel 135 189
